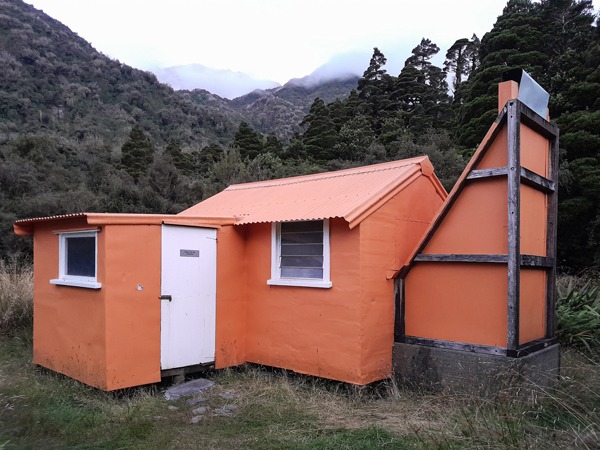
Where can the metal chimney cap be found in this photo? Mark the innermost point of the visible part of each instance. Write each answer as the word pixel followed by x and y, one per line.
pixel 530 92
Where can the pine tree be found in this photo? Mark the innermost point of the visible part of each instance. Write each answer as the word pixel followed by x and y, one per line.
pixel 373 91
pixel 247 141
pixel 320 135
pixel 421 55
pixel 137 153
pixel 273 145
pixel 421 91
pixel 462 58
pixel 370 83
pixel 354 139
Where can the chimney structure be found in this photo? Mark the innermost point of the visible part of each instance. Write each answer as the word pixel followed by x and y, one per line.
pixel 475 305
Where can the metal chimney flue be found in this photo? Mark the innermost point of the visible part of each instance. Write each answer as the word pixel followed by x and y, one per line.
pixel 530 92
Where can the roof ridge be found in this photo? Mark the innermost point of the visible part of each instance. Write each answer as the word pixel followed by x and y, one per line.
pixel 324 175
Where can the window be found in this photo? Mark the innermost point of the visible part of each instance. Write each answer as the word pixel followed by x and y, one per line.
pixel 300 254
pixel 77 255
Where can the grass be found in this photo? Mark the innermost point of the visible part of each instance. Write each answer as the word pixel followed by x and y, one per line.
pixel 16 296
pixel 278 409
pixel 41 409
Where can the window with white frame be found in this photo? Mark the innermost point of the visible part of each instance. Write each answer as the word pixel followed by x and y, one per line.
pixel 300 254
pixel 78 259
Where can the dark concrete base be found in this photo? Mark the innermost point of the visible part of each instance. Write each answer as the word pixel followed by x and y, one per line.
pixel 460 371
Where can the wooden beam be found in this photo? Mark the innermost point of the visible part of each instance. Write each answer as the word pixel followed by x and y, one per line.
pixel 542 262
pixel 532 261
pixel 514 222
pixel 551 228
pixel 522 350
pixel 398 308
pixel 536 122
pixel 462 258
pixel 536 181
pixel 487 173
pixel 451 345
pixel 528 177
pixel 531 347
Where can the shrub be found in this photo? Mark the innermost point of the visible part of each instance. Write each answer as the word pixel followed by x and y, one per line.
pixel 16 297
pixel 578 314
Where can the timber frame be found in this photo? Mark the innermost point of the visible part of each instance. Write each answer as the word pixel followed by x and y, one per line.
pixel 512 116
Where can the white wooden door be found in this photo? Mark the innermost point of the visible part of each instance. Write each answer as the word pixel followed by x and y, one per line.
pixel 188 296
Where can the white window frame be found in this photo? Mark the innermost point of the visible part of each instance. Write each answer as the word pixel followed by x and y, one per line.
pixel 276 278
pixel 76 280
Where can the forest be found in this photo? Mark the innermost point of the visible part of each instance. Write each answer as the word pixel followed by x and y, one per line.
pixel 82 132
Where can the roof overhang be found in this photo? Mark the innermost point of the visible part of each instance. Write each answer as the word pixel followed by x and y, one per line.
pixel 25 227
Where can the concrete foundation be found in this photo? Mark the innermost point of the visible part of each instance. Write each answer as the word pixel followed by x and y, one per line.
pixel 448 370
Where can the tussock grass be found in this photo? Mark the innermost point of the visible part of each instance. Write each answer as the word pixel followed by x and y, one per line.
pixel 566 416
pixel 16 297
pixel 279 409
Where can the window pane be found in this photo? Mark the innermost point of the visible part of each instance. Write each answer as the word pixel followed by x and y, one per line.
pixel 81 256
pixel 302 261
pixel 301 249
pixel 313 237
pixel 296 272
pixel 313 225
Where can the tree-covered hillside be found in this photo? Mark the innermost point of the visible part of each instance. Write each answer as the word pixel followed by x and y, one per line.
pixel 52 81
pixel 280 110
pixel 79 131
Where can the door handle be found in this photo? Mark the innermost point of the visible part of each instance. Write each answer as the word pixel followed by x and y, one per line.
pixel 166 297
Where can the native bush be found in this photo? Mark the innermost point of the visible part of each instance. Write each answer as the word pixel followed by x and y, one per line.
pixel 578 314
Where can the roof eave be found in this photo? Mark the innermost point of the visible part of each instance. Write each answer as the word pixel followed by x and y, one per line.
pixel 25 227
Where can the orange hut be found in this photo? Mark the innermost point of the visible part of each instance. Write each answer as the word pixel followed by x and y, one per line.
pixel 293 273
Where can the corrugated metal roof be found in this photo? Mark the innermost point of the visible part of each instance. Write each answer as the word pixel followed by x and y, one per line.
pixel 351 194
pixel 25 226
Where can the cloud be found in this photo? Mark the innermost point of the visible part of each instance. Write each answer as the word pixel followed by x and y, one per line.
pixel 224 83
pixel 268 39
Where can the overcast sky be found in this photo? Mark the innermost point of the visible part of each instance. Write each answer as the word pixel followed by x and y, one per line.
pixel 268 39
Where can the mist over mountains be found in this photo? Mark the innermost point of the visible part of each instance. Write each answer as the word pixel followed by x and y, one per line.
pixel 229 84
pixel 222 82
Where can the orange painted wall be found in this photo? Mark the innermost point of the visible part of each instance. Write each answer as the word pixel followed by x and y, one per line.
pixel 308 330
pixel 457 302
pixel 477 222
pixel 69 322
pixel 497 155
pixel 535 151
pixel 107 337
pixel 231 295
pixel 532 311
pixel 132 258
pixel 387 238
pixel 533 221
